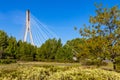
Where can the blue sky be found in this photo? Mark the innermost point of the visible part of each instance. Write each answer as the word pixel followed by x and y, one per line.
pixel 59 15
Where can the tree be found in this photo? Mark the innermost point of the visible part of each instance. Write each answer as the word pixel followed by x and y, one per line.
pixel 106 25
pixel 64 54
pixel 3 40
pixel 75 46
pixel 49 49
pixel 11 48
pixel 25 51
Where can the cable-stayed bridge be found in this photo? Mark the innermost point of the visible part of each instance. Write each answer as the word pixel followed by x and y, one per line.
pixel 35 32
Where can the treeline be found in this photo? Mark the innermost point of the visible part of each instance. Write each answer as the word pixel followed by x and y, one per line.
pixel 51 50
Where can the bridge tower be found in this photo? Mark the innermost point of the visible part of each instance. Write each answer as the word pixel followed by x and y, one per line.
pixel 28 28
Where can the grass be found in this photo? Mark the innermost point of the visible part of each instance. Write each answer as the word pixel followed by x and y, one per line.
pixel 14 66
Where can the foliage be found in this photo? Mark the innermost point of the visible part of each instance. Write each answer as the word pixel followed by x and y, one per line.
pixel 7 61
pixel 64 54
pixel 3 40
pixel 58 73
pixel 96 62
pixel 11 48
pixel 26 51
pixel 49 49
pixel 103 34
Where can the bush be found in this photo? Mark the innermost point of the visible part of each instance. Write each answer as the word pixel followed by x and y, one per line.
pixel 57 73
pixel 1 53
pixel 117 61
pixel 7 61
pixel 97 62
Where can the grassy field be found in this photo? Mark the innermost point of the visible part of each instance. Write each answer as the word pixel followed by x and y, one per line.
pixel 16 65
pixel 55 71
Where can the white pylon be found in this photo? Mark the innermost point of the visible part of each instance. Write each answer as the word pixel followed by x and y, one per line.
pixel 28 30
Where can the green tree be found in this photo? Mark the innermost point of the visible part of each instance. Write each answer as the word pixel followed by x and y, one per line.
pixel 25 51
pixel 74 45
pixel 3 40
pixel 11 48
pixel 64 54
pixel 49 49
pixel 106 25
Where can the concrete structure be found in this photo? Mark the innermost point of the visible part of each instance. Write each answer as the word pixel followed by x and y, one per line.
pixel 28 28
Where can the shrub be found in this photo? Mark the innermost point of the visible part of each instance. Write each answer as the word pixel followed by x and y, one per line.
pixel 7 61
pixel 97 62
pixel 57 73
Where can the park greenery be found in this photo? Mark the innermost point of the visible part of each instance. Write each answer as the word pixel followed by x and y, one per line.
pixel 57 73
pixel 99 44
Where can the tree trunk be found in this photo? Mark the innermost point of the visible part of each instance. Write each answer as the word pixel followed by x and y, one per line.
pixel 114 65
